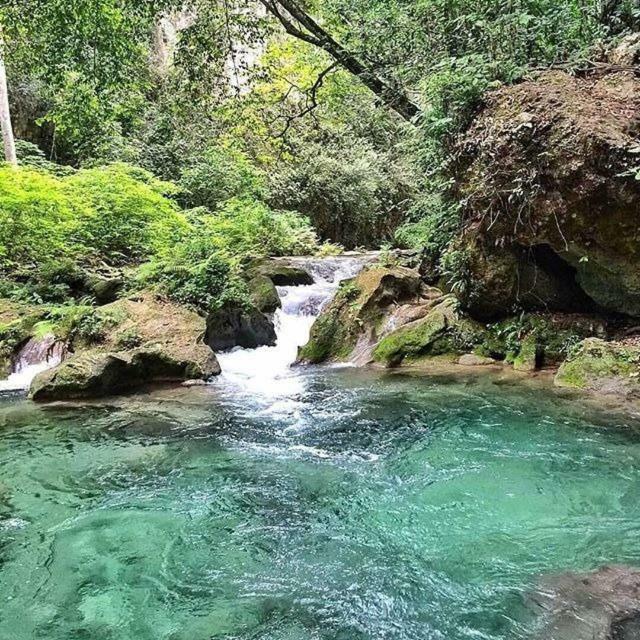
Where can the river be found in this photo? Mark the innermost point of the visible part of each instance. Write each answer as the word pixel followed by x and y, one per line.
pixel 298 503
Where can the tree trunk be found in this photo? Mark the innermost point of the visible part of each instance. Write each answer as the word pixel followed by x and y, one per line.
pixel 5 116
pixel 301 25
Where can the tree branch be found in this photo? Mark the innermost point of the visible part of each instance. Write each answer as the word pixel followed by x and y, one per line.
pixel 301 25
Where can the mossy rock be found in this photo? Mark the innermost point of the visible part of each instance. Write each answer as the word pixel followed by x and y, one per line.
pixel 94 375
pixel 529 354
pixel 281 273
pixel 245 327
pixel 606 367
pixel 263 294
pixel 443 332
pixel 358 311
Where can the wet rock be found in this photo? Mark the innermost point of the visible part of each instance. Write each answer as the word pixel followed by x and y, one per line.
pixel 281 273
pixel 264 294
pixel 231 327
pixel 552 204
pixel 92 375
pixel 602 605
pixel 473 360
pixel 443 331
pixel 611 368
pixel 353 320
pixel 140 340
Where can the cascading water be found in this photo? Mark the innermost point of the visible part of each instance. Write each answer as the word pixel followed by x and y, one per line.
pixel 268 370
pixel 37 355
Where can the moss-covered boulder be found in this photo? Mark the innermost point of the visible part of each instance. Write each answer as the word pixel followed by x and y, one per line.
pixel 263 294
pixel 547 175
pixel 443 331
pixel 603 367
pixel 138 340
pixel 98 374
pixel 282 273
pixel 355 319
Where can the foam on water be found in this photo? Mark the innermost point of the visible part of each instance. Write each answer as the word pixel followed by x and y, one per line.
pixel 267 370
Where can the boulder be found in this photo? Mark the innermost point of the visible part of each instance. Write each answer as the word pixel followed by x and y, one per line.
pixel 98 374
pixel 231 327
pixel 441 332
pixel 139 340
pixel 281 272
pixel 611 368
pixel 264 295
pixel 353 321
pixel 602 605
pixel 551 201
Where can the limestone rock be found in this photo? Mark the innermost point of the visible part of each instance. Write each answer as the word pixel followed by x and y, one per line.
pixel 264 294
pixel 231 327
pixel 97 374
pixel 281 272
pixel 611 368
pixel 473 360
pixel 551 201
pixel 354 319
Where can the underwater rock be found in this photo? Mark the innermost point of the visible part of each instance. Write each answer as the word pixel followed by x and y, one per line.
pixel 602 605
pixel 473 360
pixel 231 327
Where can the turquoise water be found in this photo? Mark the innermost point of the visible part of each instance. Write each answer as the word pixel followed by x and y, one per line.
pixel 357 506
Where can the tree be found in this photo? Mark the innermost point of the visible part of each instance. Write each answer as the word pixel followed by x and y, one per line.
pixel 300 24
pixel 5 115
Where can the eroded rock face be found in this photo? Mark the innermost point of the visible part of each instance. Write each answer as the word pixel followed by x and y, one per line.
pixel 603 605
pixel 231 327
pixel 93 375
pixel 547 174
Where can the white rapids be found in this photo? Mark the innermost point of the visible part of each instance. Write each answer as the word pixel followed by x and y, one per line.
pixel 267 370
pixel 36 355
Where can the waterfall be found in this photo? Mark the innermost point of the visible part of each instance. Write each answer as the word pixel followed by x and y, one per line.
pixel 37 355
pixel 268 369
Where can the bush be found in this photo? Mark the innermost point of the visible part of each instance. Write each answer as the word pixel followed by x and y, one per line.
pixel 217 176
pixel 127 216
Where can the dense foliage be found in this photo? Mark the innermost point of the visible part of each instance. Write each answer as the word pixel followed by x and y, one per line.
pixel 237 126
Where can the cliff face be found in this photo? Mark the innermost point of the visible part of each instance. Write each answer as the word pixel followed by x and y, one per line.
pixel 549 176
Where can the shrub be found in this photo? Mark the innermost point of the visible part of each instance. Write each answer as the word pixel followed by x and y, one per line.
pixel 127 216
pixel 217 176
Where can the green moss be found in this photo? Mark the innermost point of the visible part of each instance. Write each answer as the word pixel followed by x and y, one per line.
pixel 263 294
pixel 527 358
pixel 411 340
pixel 596 361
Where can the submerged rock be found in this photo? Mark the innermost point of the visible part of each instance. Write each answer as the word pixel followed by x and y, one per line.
pixel 602 605
pixel 231 327
pixel 604 367
pixel 547 174
pixel 281 272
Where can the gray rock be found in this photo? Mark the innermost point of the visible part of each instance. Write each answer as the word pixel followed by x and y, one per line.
pixel 231 327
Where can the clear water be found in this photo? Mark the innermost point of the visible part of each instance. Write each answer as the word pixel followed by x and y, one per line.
pixel 360 506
